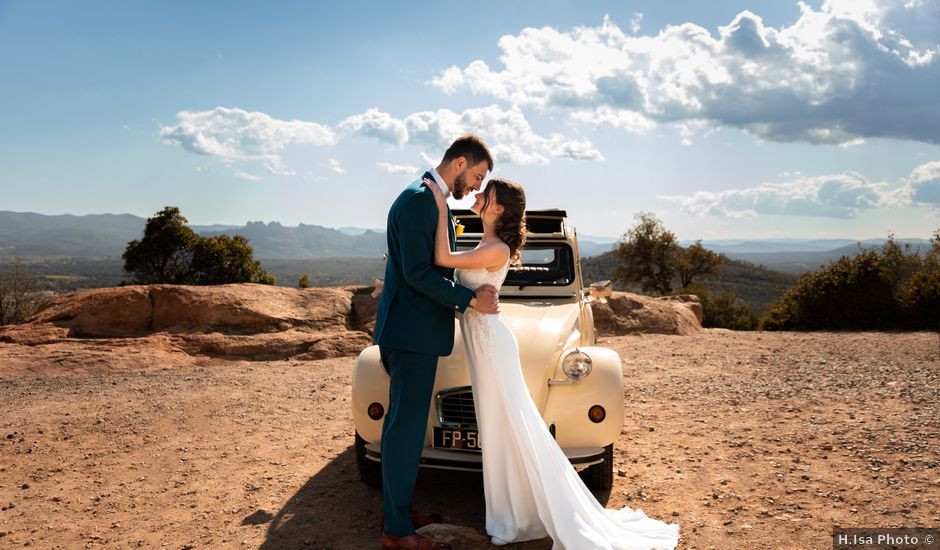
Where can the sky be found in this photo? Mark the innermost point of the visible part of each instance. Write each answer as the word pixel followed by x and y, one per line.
pixel 726 119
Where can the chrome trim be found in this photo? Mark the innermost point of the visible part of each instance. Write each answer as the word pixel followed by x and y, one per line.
pixel 440 410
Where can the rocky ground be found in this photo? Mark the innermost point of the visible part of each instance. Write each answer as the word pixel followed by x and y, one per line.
pixel 747 440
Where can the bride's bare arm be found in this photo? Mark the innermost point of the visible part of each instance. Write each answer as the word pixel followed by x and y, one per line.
pixel 488 255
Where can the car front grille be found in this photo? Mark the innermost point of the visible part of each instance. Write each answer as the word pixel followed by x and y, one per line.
pixel 455 408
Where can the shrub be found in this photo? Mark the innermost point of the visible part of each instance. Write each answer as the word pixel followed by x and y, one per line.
pixel 860 292
pixel 19 293
pixel 723 309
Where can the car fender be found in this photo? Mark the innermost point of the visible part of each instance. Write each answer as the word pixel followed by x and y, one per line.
pixel 370 385
pixel 568 403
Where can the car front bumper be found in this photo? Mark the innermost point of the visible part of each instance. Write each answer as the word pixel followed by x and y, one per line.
pixel 471 461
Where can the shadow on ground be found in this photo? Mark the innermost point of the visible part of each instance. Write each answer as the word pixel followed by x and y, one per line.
pixel 334 509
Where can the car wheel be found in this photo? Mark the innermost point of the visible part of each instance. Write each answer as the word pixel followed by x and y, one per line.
pixel 369 470
pixel 600 477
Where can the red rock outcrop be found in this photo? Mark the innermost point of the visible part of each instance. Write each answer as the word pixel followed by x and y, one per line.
pixel 241 320
pixel 626 313
pixel 137 326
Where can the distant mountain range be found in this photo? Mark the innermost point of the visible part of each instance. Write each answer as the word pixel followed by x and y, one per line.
pixel 28 234
pixel 799 255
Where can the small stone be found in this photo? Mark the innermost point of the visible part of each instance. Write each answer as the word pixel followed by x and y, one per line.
pixel 24 486
pixel 622 473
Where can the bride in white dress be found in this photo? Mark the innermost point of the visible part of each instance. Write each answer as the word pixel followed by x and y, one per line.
pixel 531 488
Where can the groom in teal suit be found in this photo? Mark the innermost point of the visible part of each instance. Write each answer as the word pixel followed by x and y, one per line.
pixel 414 325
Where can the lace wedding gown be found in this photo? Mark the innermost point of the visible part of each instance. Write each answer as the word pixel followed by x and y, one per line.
pixel 531 488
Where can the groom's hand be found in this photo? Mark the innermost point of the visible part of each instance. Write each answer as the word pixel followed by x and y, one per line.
pixel 486 299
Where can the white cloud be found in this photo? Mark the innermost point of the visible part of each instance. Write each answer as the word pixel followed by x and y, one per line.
pixel 377 124
pixel 237 135
pixel 850 70
pixel 836 196
pixel 246 176
pixel 335 166
pixel 924 184
pixel 427 159
pixel 635 21
pixel 402 169
pixel 625 119
pixel 507 132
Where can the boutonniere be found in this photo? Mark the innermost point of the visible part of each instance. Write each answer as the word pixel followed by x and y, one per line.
pixel 458 227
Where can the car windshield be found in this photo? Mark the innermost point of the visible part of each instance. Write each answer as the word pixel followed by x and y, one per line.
pixel 549 264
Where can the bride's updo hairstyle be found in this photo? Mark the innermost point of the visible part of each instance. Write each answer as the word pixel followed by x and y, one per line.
pixel 510 227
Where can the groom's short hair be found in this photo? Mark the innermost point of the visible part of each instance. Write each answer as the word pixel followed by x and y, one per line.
pixel 472 148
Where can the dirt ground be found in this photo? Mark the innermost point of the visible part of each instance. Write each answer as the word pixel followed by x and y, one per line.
pixel 747 440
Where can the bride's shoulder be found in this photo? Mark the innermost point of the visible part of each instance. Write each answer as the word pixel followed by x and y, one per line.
pixel 497 251
pixel 495 246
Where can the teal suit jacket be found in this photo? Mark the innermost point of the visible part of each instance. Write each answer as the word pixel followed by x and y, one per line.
pixel 416 308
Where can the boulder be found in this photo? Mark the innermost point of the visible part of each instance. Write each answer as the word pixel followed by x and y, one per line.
pixel 627 313
pixel 259 322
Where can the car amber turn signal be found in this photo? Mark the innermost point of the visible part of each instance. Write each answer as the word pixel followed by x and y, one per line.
pixel 597 414
pixel 376 411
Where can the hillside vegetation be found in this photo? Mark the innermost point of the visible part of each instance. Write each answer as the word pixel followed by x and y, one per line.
pixel 756 285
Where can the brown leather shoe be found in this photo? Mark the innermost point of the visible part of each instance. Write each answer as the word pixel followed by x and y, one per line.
pixel 412 542
pixel 420 520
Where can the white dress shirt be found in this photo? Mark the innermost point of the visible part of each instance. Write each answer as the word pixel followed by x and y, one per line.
pixel 440 182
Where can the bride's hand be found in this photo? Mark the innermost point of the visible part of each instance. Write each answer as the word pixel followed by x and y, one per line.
pixel 438 194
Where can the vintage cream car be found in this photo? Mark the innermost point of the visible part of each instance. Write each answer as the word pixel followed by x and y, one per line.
pixel 577 385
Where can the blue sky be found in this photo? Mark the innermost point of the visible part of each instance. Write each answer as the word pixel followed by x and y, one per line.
pixel 725 119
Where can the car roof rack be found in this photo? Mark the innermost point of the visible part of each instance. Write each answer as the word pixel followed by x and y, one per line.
pixel 539 223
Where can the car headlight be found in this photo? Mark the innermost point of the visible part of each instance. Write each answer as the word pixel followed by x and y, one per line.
pixel 576 364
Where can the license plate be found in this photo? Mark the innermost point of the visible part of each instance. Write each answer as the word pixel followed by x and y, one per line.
pixel 454 438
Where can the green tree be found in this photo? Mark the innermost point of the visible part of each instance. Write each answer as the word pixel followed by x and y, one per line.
pixel 696 260
pixel 221 259
pixel 648 252
pixel 171 252
pixel 165 252
pixel 304 281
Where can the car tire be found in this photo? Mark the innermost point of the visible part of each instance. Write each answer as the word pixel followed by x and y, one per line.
pixel 600 477
pixel 369 470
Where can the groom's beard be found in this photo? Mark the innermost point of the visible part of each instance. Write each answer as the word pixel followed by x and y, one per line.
pixel 460 186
